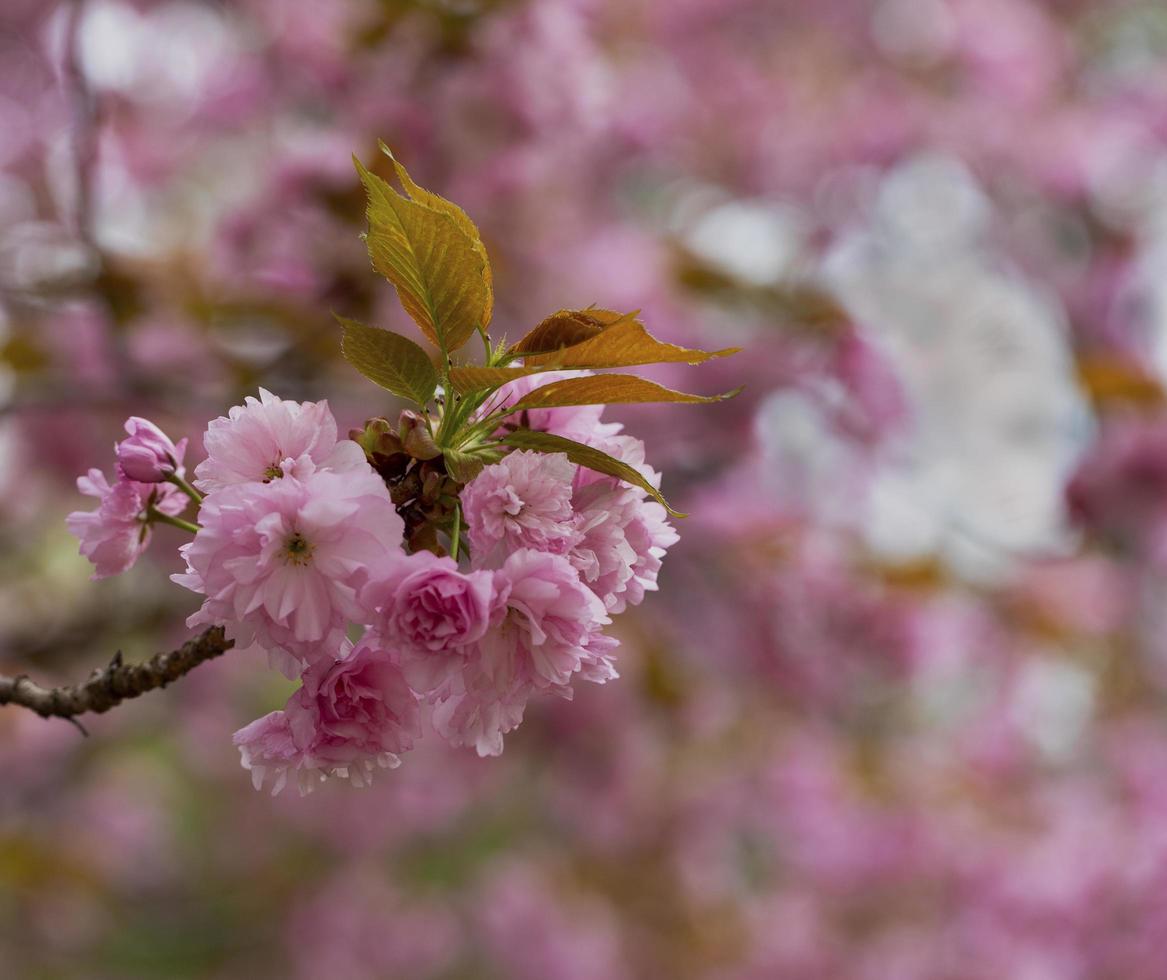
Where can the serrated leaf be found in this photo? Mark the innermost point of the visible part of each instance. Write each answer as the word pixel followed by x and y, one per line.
pixel 461 218
pixel 609 389
pixel 389 360
pixel 624 342
pixel 589 456
pixel 610 340
pixel 565 329
pixel 431 261
pixel 471 377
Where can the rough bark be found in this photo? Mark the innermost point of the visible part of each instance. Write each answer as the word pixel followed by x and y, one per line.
pixel 108 686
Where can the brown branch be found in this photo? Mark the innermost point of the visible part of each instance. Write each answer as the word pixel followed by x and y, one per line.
pixel 109 686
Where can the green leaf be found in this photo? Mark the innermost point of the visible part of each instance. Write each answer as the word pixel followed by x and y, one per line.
pixel 609 389
pixel 389 360
pixel 581 455
pixel 621 341
pixel 431 260
pixel 462 467
pixel 461 218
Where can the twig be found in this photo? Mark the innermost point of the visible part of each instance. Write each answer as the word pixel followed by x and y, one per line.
pixel 109 686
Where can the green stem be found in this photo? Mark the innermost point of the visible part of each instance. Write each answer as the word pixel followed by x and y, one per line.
pixel 485 426
pixel 157 517
pixel 449 401
pixel 456 533
pixel 445 419
pixel 185 487
pixel 452 430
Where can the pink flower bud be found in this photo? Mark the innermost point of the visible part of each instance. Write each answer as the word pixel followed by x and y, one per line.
pixel 148 455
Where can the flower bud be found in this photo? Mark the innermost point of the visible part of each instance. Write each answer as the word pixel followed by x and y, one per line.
pixel 148 455
pixel 416 437
pixel 382 448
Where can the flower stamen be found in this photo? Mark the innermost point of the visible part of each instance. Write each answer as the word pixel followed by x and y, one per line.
pixel 297 550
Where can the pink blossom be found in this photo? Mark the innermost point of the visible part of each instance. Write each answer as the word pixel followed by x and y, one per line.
pixel 550 632
pixel 627 449
pixel 624 537
pixel 571 421
pixel 282 561
pixel 350 716
pixel 266 746
pixel 148 455
pixel 551 617
pixel 875 405
pixel 268 437
pixel 355 713
pixel 115 535
pixel 1120 487
pixel 523 501
pixel 474 712
pixel 429 612
pixel 614 535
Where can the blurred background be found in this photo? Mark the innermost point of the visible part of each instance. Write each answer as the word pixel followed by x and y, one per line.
pixel 898 711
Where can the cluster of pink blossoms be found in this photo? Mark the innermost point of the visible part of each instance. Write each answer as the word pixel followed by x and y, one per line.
pixel 298 542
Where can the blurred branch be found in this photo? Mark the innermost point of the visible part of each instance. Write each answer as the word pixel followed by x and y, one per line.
pixel 107 687
pixel 84 105
pixel 109 287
